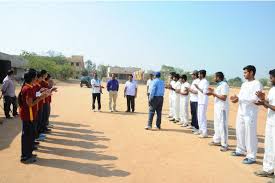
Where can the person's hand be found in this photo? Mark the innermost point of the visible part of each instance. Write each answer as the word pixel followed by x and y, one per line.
pixel 210 91
pixel 260 95
pixel 259 102
pixel 234 99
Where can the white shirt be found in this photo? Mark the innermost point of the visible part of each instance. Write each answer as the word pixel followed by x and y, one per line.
pixel 222 89
pixel 131 88
pixel 271 100
pixel 247 97
pixel 149 85
pixel 194 97
pixel 202 97
pixel 177 86
pixel 172 83
pixel 96 84
pixel 183 89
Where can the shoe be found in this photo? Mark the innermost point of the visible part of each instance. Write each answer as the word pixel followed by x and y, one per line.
pixel 224 148
pixel 185 125
pixel 115 110
pixel 111 110
pixel 36 143
pixel 170 116
pixel 133 111
pixel 173 119
pixel 42 135
pixel 249 161
pixel 262 173
pixel 236 154
pixel 28 161
pixel 189 127
pixel 176 121
pixel 157 128
pixel 214 144
pixel 41 139
pixel 35 148
pixel 148 128
pixel 194 130
pixel 197 132
pixel 34 155
pixel 203 136
pixel 180 123
pixel 50 126
pixel 9 117
pixel 127 111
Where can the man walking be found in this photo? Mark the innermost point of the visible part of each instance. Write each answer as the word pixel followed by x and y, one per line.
pixel 8 91
pixel 202 88
pixel 112 88
pixel 194 101
pixel 96 92
pixel 221 109
pixel 246 123
pixel 269 161
pixel 130 92
pixel 156 101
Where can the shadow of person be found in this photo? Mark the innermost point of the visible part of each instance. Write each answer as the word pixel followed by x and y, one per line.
pixel 79 154
pixel 78 130
pixel 106 170
pixel 69 124
pixel 79 136
pixel 75 143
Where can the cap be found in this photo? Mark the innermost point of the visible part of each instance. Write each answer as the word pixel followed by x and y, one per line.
pixel 157 74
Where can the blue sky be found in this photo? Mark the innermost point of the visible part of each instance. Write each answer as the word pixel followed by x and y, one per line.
pixel 216 36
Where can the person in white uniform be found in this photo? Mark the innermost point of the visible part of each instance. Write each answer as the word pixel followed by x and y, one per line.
pixel 151 77
pixel 246 122
pixel 184 99
pixel 194 101
pixel 176 99
pixel 269 155
pixel 202 104
pixel 171 94
pixel 221 109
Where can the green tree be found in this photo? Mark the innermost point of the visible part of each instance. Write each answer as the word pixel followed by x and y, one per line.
pixel 102 70
pixel 264 81
pixel 236 82
pixel 90 66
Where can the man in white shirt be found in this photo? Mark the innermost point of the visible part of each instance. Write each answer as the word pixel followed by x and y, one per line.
pixel 184 99
pixel 194 101
pixel 176 99
pixel 269 160
pixel 246 123
pixel 149 83
pixel 171 94
pixel 202 88
pixel 221 109
pixel 96 92
pixel 130 92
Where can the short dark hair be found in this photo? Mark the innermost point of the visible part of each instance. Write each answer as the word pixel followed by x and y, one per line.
pixel 177 76
pixel 172 73
pixel 32 73
pixel 203 72
pixel 250 68
pixel 131 75
pixel 220 75
pixel 10 72
pixel 184 77
pixel 272 72
pixel 43 72
pixel 39 75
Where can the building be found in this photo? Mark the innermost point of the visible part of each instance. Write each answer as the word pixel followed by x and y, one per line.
pixel 123 73
pixel 77 61
pixel 17 63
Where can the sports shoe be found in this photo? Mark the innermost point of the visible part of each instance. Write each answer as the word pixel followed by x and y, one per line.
pixel 235 153
pixel 214 144
pixel 157 128
pixel 28 161
pixel 185 125
pixel 189 127
pixel 224 148
pixel 197 132
pixel 203 136
pixel 262 173
pixel 173 119
pixel 148 128
pixel 249 161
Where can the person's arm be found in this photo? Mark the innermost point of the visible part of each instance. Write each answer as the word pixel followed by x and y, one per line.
pixel 267 105
pixel 222 97
pixel 30 102
pixel 4 87
pixel 125 90
pixel 117 85
pixel 153 91
pixel 136 91
pixel 198 88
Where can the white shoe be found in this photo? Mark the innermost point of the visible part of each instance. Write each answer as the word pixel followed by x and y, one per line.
pixel 189 127
pixel 203 136
pixel 181 123
pixel 111 110
pixel 115 110
pixel 148 128
pixel 185 125
pixel 197 133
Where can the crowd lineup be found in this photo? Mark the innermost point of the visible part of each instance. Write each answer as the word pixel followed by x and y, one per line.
pixel 35 98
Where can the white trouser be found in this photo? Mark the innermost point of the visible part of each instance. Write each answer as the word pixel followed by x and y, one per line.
pixel 269 155
pixel 177 107
pixel 171 107
pixel 221 126
pixel 184 116
pixel 202 120
pixel 246 133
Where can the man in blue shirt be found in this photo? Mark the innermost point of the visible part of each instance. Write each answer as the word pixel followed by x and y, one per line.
pixel 155 101
pixel 112 88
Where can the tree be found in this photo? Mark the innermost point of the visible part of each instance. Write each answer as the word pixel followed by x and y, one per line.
pixel 90 66
pixel 236 82
pixel 165 71
pixel 102 70
pixel 264 81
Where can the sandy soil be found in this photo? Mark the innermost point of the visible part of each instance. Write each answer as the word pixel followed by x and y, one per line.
pixel 88 146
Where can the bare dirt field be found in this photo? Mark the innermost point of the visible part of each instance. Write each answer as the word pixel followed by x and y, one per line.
pixel 87 146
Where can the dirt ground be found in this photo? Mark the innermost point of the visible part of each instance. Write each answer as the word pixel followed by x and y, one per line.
pixel 87 146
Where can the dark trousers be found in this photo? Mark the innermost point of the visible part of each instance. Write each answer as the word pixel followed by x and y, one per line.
pixel 40 126
pixel 27 139
pixel 130 103
pixel 96 96
pixel 155 105
pixel 194 114
pixel 8 101
pixel 45 117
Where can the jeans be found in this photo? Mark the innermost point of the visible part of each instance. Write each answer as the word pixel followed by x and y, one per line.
pixel 155 105
pixel 194 114
pixel 96 96
pixel 130 103
pixel 8 101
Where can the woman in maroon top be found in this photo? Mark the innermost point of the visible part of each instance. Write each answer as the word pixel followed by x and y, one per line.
pixel 28 112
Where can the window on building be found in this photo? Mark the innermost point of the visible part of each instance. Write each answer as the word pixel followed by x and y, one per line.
pixel 72 64
pixel 77 64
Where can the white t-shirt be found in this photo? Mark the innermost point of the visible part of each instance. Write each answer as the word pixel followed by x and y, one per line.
pixel 194 97
pixel 271 100
pixel 183 88
pixel 172 83
pixel 222 89
pixel 96 83
pixel 131 88
pixel 149 84
pixel 177 86
pixel 202 97
pixel 247 97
